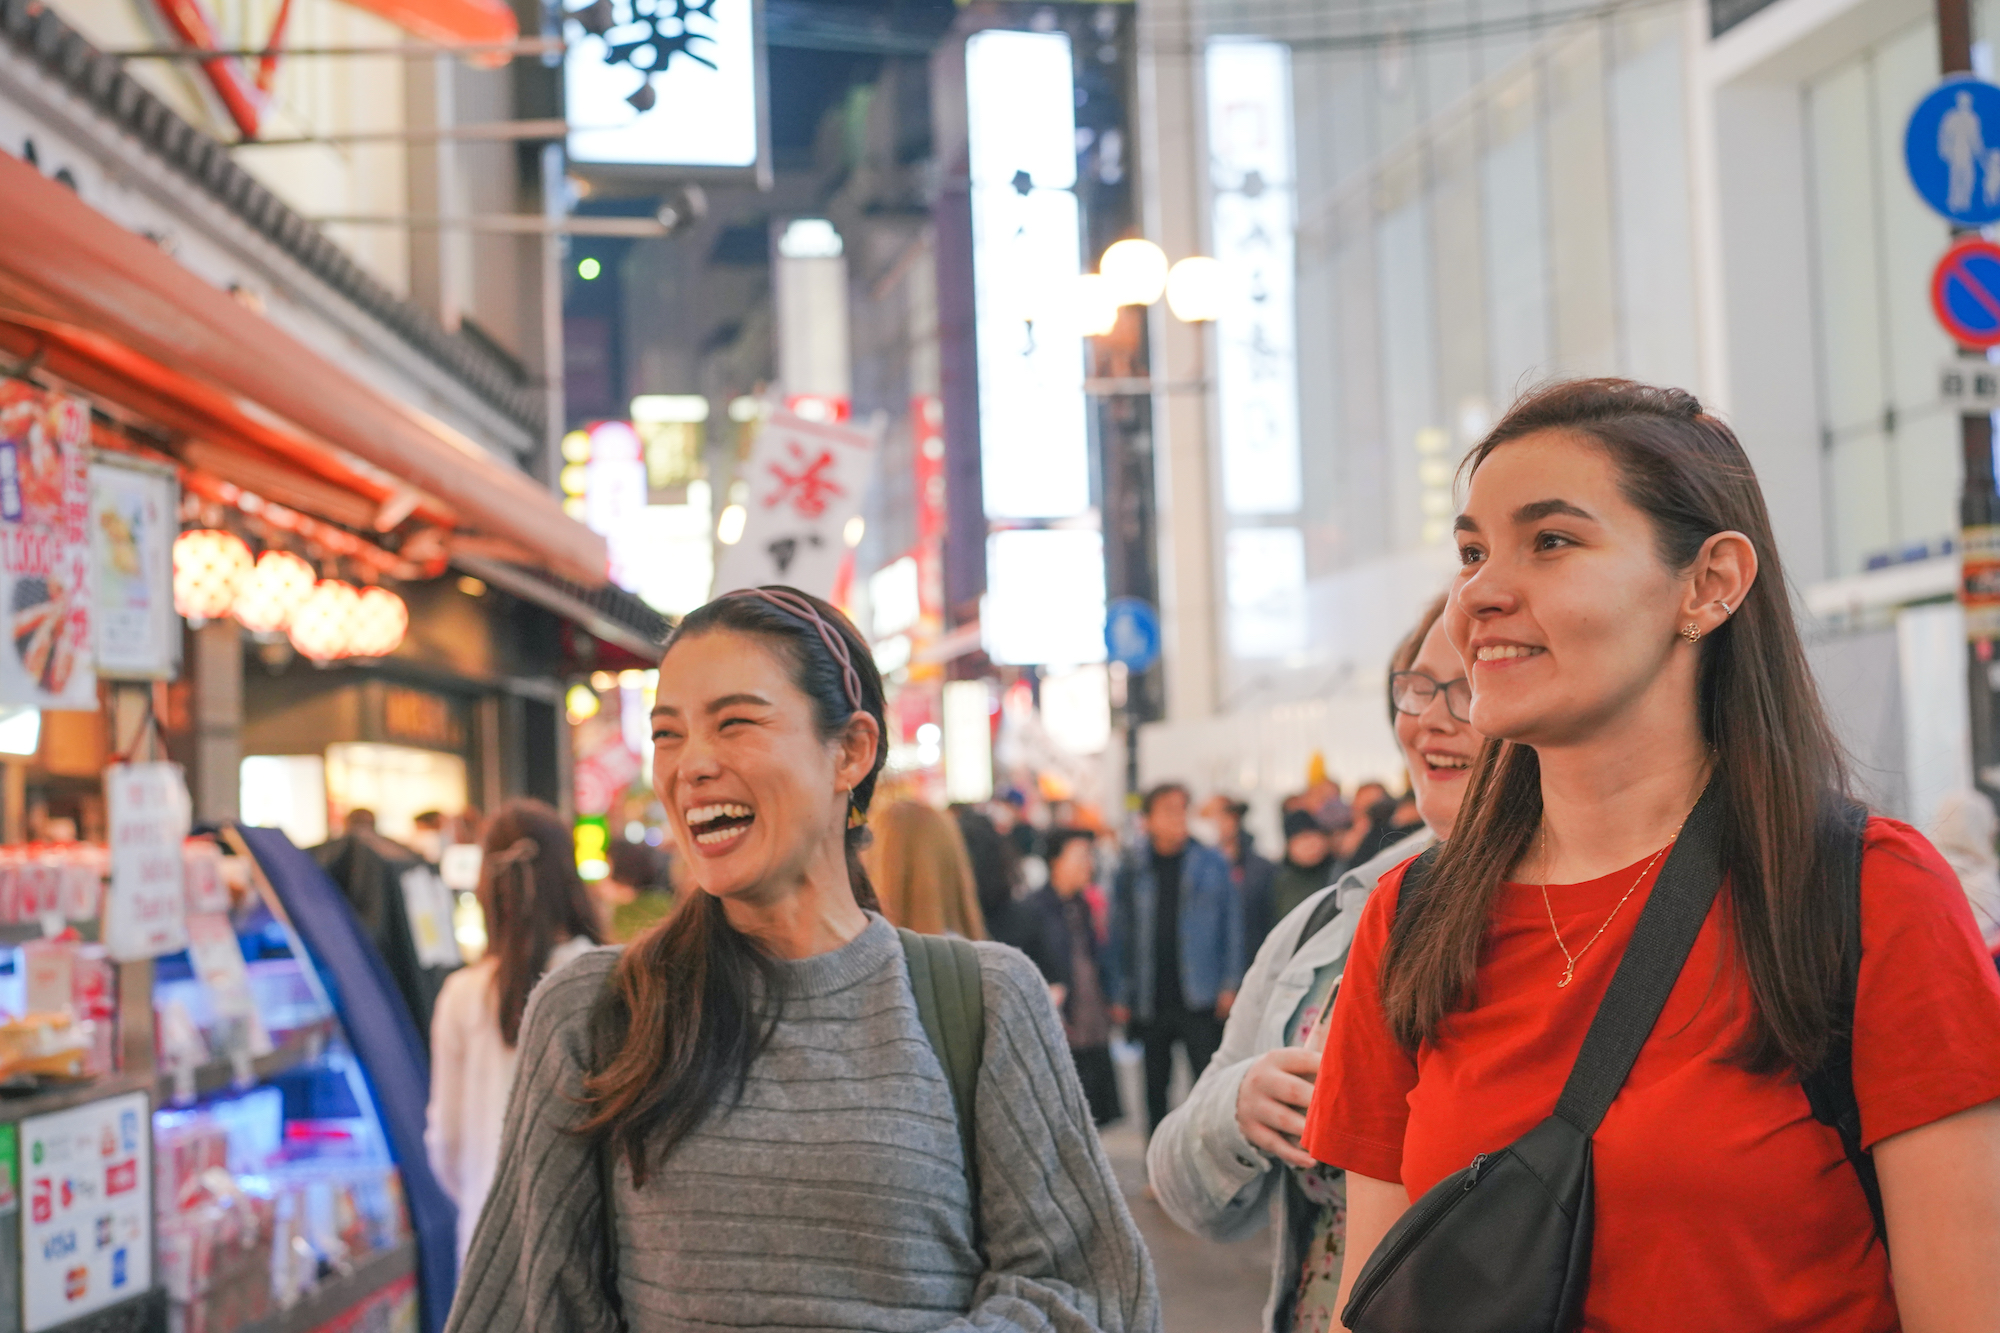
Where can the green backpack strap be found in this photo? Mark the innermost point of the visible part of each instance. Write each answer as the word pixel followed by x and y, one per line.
pixel 944 974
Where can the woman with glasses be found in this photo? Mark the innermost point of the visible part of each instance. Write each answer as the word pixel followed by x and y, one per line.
pixel 1229 1157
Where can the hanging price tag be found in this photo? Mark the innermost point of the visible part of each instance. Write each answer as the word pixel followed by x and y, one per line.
pixel 145 911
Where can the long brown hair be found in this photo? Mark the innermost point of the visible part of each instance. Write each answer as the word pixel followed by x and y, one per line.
pixel 1781 770
pixel 531 895
pixel 922 873
pixel 693 1001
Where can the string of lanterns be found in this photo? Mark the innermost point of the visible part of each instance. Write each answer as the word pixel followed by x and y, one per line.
pixel 278 593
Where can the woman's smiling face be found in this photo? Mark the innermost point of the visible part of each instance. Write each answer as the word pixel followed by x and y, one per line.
pixel 1564 615
pixel 753 792
pixel 1437 747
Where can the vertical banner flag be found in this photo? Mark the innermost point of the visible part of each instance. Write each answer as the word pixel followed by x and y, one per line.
pixel 132 536
pixel 805 480
pixel 145 912
pixel 45 549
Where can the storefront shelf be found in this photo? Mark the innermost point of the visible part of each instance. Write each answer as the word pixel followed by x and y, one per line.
pixel 301 1047
pixel 62 1097
pixel 342 1293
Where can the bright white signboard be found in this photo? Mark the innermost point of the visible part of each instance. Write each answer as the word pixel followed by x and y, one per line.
pixel 1257 379
pixel 698 117
pixel 1026 257
pixel 1044 597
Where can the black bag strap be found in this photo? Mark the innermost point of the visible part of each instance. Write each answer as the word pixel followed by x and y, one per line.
pixel 1830 1088
pixel 1659 946
pixel 1325 910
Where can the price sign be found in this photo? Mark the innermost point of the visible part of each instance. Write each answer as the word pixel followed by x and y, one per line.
pixel 145 912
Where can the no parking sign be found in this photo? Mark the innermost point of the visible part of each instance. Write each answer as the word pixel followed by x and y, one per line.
pixel 1965 293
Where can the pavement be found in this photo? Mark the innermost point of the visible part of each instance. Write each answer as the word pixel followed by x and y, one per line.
pixel 1205 1287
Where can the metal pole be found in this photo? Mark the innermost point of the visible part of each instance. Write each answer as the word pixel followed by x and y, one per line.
pixel 1978 502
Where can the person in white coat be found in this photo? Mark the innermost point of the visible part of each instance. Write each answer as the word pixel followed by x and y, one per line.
pixel 538 917
pixel 1228 1158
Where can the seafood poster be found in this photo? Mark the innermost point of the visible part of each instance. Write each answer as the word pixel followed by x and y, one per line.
pixel 132 527
pixel 45 549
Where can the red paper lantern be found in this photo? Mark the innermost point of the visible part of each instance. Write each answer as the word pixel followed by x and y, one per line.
pixel 273 593
pixel 323 626
pixel 380 621
pixel 210 567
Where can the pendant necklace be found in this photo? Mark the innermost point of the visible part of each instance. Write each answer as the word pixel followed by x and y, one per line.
pixel 1569 972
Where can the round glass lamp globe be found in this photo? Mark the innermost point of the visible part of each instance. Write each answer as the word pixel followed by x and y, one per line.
pixel 1096 308
pixel 210 567
pixel 323 627
pixel 1195 289
pixel 380 621
pixel 1136 271
pixel 273 592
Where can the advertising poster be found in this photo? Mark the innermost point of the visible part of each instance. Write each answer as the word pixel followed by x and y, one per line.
pixel 132 525
pixel 145 910
pixel 806 480
pixel 44 549
pixel 87 1215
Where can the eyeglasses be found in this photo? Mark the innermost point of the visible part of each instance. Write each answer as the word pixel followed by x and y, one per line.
pixel 1412 691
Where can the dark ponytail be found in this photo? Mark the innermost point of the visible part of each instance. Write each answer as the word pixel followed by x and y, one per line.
pixel 693 1001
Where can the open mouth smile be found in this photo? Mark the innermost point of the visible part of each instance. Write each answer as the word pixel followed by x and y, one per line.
pixel 716 828
pixel 1448 764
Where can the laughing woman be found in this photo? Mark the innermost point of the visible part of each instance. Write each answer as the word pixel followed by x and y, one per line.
pixel 746 1102
pixel 1631 646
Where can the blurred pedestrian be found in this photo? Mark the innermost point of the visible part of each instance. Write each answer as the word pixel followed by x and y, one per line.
pixel 1176 944
pixel 1308 866
pixel 634 894
pixel 1228 1158
pixel 1064 943
pixel 1964 831
pixel 918 865
pixel 1637 672
pixel 1251 873
pixel 538 918
pixel 996 873
pixel 1366 808
pixel 742 1121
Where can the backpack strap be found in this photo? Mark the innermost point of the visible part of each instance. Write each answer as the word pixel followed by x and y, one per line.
pixel 1325 910
pixel 944 975
pixel 1829 1089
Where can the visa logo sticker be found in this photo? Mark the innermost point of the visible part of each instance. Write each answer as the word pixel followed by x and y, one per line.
pixel 59 1246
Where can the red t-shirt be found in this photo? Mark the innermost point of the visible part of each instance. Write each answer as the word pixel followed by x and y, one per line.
pixel 1721 1203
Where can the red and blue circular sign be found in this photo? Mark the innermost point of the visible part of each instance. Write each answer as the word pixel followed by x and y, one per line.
pixel 1965 293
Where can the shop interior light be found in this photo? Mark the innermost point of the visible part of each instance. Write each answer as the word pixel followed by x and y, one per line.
pixel 381 619
pixel 273 593
pixel 323 626
pixel 581 702
pixel 575 479
pixel 20 730
pixel 729 528
pixel 588 268
pixel 1195 288
pixel 576 447
pixel 210 567
pixel 1136 270
pixel 742 409
pixel 854 530
pixel 688 408
pixel 574 506
pixel 1096 306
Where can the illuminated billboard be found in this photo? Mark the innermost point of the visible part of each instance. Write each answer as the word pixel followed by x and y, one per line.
pixel 664 83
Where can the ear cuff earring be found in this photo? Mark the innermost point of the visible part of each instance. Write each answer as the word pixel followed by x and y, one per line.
pixel 1691 632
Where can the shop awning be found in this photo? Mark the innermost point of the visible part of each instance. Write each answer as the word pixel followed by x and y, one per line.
pixel 73 274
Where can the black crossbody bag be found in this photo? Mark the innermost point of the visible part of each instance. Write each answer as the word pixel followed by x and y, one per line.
pixel 1504 1245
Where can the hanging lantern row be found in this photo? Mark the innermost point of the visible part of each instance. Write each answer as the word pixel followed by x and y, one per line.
pixel 278 593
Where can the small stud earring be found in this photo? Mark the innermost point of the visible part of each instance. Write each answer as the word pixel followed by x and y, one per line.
pixel 1691 632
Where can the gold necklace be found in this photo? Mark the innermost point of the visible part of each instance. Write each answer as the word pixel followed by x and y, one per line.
pixel 1569 972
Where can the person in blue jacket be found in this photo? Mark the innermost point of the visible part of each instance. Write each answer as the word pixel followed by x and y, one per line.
pixel 1176 944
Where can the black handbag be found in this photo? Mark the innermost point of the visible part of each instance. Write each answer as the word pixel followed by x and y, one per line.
pixel 1504 1245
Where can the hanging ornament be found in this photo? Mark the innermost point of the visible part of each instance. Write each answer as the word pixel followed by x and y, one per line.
pixel 273 593
pixel 380 621
pixel 323 626
pixel 210 566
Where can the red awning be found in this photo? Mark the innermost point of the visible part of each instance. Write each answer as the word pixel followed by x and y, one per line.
pixel 104 294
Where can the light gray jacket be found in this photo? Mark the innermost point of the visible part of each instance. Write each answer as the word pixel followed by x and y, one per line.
pixel 1209 1178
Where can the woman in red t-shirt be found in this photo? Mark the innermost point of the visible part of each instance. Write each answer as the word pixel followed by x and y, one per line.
pixel 1624 621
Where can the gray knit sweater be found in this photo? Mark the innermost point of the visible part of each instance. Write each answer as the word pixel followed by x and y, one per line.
pixel 833 1195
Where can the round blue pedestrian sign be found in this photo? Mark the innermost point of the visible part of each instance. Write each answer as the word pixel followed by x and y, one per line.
pixel 1132 633
pixel 1952 150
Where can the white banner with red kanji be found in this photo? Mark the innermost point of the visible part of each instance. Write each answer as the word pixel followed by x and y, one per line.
pixel 805 480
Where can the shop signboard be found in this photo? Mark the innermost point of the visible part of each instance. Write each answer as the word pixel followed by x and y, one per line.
pixel 805 481
pixel 132 525
pixel 44 549
pixel 87 1228
pixel 145 911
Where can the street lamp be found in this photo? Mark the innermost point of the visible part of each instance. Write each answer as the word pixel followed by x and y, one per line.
pixel 1136 272
pixel 1195 288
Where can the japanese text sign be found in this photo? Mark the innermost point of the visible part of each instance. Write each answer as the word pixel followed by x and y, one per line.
pixel 45 549
pixel 805 480
pixel 145 913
